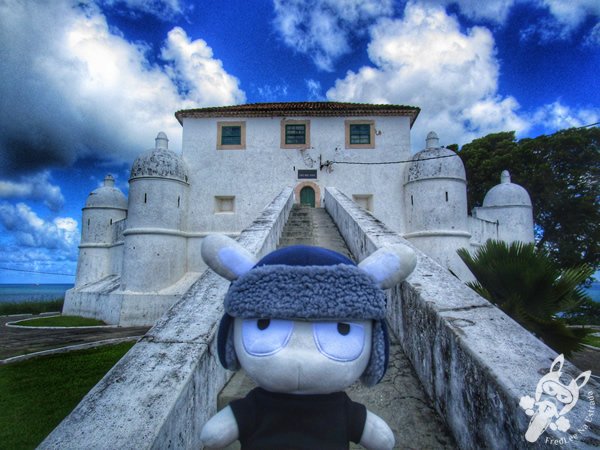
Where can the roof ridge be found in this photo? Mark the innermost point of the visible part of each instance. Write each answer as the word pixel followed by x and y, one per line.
pixel 323 109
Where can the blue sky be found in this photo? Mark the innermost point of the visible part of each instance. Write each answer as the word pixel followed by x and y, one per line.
pixel 87 85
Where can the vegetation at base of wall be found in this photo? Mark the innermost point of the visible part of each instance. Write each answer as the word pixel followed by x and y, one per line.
pixel 560 172
pixel 61 321
pixel 32 307
pixel 594 341
pixel 586 313
pixel 37 394
pixel 529 286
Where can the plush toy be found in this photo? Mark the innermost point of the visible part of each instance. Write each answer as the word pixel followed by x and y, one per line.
pixel 304 323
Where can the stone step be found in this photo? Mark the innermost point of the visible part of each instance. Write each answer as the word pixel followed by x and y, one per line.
pixel 312 226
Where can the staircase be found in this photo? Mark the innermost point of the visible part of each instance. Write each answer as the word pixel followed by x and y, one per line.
pixel 312 226
pixel 398 398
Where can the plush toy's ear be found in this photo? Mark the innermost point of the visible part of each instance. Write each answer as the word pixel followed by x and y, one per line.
pixel 390 265
pixel 226 257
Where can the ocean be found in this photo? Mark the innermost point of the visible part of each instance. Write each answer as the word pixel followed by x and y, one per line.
pixel 32 292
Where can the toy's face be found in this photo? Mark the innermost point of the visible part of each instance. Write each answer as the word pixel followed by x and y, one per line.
pixel 299 357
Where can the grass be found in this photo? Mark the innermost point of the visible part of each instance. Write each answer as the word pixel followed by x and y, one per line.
pixel 31 307
pixel 592 340
pixel 36 394
pixel 61 321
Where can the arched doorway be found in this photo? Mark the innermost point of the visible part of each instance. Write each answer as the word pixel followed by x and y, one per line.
pixel 316 189
pixel 307 196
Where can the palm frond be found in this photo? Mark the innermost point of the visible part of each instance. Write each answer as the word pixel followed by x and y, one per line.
pixel 526 284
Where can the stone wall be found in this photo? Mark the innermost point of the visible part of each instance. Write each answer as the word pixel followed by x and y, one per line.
pixel 162 392
pixel 474 361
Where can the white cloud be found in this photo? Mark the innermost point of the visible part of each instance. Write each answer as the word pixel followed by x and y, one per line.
pixel 572 12
pixel 35 187
pixel 29 230
pixel 545 31
pixel 556 116
pixel 323 29
pixel 197 73
pixel 34 259
pixel 163 9
pixel 564 18
pixel 492 10
pixel 272 93
pixel 569 13
pixel 315 92
pixel 426 60
pixel 74 88
pixel 593 38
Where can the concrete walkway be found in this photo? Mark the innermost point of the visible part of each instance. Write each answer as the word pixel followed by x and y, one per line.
pixel 21 341
pixel 398 398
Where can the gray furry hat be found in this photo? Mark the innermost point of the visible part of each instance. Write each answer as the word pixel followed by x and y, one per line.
pixel 307 283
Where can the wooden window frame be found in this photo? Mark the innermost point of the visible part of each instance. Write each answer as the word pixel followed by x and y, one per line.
pixel 241 146
pixel 306 124
pixel 371 124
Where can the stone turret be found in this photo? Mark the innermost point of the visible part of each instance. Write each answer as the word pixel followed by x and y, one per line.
pixel 104 207
pixel 509 205
pixel 435 199
pixel 155 243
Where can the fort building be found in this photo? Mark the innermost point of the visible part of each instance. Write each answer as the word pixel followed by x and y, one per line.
pixel 140 254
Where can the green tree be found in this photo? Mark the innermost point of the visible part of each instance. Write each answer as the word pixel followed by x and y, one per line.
pixel 561 172
pixel 485 158
pixel 530 287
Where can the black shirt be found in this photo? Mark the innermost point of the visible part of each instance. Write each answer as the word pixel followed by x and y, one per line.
pixel 268 420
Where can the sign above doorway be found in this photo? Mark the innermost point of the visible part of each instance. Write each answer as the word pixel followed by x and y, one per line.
pixel 307 174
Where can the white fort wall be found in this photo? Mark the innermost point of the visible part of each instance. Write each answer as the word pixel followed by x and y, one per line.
pixel 474 361
pixel 99 251
pixel 261 170
pixel 160 394
pixel 516 221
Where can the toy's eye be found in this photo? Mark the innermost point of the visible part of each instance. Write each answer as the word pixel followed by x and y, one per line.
pixel 343 328
pixel 263 337
pixel 340 341
pixel 263 324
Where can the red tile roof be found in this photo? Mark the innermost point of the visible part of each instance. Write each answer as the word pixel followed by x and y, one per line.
pixel 295 109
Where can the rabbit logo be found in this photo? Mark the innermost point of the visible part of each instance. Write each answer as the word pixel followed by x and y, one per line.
pixel 553 400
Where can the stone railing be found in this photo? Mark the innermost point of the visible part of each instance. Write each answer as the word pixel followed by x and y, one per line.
pixel 473 361
pixel 161 393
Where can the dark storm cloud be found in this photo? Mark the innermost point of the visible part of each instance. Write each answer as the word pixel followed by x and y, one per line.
pixel 72 86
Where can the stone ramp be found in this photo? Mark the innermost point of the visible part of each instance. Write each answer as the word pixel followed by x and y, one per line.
pixel 399 398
